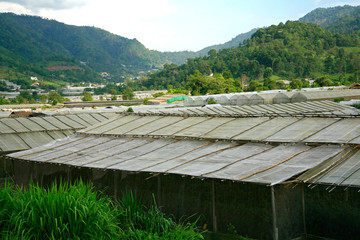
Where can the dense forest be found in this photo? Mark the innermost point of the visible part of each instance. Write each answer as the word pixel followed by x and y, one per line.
pixel 294 50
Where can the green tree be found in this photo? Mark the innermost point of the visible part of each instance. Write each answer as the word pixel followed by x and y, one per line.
pixel 296 84
pixel 323 81
pixel 128 94
pixel 87 97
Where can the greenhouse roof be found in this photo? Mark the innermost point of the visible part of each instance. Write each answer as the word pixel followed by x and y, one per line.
pixel 250 162
pixel 318 108
pixel 260 129
pixel 23 133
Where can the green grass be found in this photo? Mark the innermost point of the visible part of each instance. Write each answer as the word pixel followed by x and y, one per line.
pixel 65 211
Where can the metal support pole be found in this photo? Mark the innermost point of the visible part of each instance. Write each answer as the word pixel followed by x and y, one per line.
pixel 275 229
pixel 303 208
pixel 213 205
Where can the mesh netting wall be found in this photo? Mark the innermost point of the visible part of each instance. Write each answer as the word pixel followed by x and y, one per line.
pixel 334 214
pixel 289 210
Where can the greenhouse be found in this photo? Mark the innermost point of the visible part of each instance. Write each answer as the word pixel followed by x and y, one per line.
pixel 274 171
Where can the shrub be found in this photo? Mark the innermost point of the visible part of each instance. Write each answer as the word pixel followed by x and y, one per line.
pixel 339 99
pixel 211 101
pixel 130 109
pixel 61 212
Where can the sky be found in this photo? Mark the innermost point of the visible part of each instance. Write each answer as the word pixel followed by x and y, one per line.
pixel 172 25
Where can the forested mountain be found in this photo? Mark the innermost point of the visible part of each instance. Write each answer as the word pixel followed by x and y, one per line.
pixel 343 19
pixel 292 50
pixel 235 42
pixel 27 41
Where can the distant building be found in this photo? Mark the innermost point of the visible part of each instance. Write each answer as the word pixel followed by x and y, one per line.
pixel 34 78
pixel 11 85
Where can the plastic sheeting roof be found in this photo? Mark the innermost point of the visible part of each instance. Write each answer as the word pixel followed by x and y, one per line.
pixel 340 170
pixel 322 108
pixel 23 133
pixel 250 162
pixel 263 129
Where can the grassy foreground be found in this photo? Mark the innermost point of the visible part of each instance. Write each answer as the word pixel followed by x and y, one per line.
pixel 66 211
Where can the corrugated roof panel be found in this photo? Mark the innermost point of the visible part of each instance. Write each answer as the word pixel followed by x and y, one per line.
pixel 160 160
pixel 43 123
pixel 108 115
pixel 202 128
pixel 132 125
pixel 77 119
pixel 30 124
pixel 344 173
pixel 258 163
pixel 5 129
pixel 12 142
pixel 74 145
pixel 83 149
pixel 301 129
pixel 199 165
pixel 68 121
pixel 340 132
pixel 119 153
pixel 296 165
pixel 267 129
pixel 232 129
pixel 155 125
pixel 35 139
pixel 99 117
pixel 88 118
pixel 58 124
pixel 56 134
pixel 179 126
pixel 110 124
pixel 201 149
pixel 15 125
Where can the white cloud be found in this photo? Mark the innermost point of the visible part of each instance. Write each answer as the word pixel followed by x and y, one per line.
pixel 37 5
pixel 13 7
pixel 141 19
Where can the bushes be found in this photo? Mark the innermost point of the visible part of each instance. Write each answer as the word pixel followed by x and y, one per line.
pixel 76 211
pixel 60 212
pixel 141 223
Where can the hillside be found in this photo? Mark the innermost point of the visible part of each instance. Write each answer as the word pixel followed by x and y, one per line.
pixel 343 19
pixel 292 50
pixel 235 42
pixel 26 41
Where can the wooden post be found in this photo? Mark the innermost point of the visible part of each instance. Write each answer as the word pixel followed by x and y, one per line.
pixel 213 205
pixel 347 194
pixel 275 229
pixel 158 190
pixel 303 208
pixel 116 179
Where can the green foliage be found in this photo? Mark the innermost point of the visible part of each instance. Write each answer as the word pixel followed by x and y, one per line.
pixel 55 97
pixel 130 110
pixel 145 101
pixel 323 81
pixel 87 97
pixel 158 94
pixel 211 101
pixel 127 94
pixel 356 106
pixel 65 211
pixel 289 51
pixel 61 212
pixel 339 99
pixel 344 19
pixel 139 222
